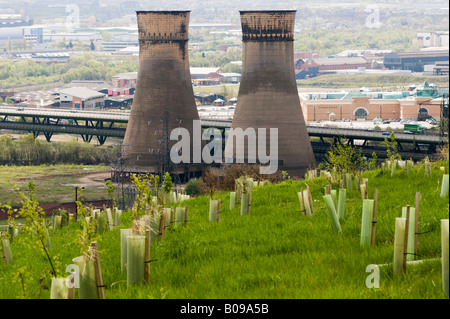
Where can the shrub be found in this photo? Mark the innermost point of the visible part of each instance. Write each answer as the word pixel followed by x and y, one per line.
pixel 195 187
pixel 224 179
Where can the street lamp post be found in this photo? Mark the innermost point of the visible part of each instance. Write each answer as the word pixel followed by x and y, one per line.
pixel 381 106
pixel 314 108
pixel 341 111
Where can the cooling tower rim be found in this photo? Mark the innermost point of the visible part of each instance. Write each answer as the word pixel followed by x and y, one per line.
pixel 163 11
pixel 266 11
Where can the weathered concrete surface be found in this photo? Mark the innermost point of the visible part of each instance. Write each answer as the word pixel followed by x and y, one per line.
pixel 268 95
pixel 164 98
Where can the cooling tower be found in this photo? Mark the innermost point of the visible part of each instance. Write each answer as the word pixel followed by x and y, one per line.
pixel 164 98
pixel 268 95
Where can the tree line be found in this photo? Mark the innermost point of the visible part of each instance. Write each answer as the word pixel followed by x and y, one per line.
pixel 86 66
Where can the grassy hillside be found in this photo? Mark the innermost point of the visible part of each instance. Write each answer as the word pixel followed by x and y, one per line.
pixel 275 252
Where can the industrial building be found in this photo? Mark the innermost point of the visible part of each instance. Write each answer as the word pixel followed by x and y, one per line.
pixel 414 61
pixel 81 98
pixel 421 103
pixel 326 64
pixel 125 80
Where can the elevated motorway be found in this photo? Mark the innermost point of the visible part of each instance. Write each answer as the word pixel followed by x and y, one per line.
pixel 50 121
pixel 113 124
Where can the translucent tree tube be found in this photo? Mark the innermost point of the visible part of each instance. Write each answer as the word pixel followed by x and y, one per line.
pixel 332 213
pixel 408 167
pixel 249 182
pixel 180 215
pixel 366 223
pixel 348 181
pixel 427 168
pixel 444 253
pixel 341 203
pixel 357 182
pixel 238 188
pixel 301 201
pixel 6 249
pixel 362 189
pixel 308 208
pixel 87 279
pixel 393 167
pixel 110 220
pixel 59 289
pixel 124 233
pixel 333 194
pixel 232 200
pixel 244 203
pixel 399 245
pixel 167 212
pixel 444 187
pixel 411 231
pixel 135 259
pixel 58 222
pixel 155 221
pixel 101 222
pixel 305 206
pixel 118 213
pixel 213 206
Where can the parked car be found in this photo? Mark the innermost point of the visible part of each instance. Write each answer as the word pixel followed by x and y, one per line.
pixel 385 133
pixel 19 108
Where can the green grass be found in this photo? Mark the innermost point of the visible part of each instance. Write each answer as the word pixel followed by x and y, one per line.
pixel 275 252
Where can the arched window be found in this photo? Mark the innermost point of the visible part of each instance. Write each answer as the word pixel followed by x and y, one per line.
pixel 361 113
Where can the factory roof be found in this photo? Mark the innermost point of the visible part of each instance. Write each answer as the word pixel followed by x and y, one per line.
pixel 340 61
pixel 205 71
pixel 81 92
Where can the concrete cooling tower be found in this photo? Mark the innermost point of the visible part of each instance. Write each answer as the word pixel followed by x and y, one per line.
pixel 164 97
pixel 268 95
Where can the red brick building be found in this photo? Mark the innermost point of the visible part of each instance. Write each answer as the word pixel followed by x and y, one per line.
pixel 333 64
pixel 125 80
pixel 367 108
